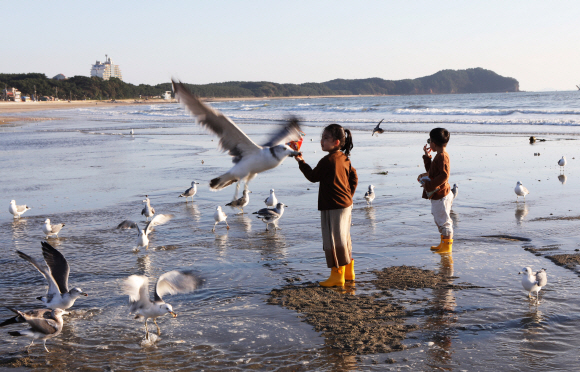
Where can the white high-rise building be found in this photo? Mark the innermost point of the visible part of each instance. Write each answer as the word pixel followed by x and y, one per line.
pixel 106 70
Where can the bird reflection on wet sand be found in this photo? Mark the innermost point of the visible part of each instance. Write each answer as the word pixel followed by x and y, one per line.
pixel 371 216
pixel 521 212
pixel 562 178
pixel 193 211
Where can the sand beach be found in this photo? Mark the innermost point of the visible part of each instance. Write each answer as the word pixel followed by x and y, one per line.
pixel 260 307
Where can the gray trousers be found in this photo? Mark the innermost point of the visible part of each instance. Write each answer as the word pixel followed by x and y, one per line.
pixel 336 241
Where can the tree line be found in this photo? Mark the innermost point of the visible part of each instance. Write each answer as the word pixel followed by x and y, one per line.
pixel 475 80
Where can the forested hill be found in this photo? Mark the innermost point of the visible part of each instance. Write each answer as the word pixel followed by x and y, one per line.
pixel 474 80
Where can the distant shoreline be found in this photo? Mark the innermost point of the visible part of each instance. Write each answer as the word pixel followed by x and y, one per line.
pixel 24 107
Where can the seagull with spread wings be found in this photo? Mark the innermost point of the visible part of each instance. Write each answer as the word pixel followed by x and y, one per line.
pixel 56 273
pixel 143 240
pixel 172 282
pixel 248 157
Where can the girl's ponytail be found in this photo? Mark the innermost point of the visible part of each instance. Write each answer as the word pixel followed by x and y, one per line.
pixel 348 145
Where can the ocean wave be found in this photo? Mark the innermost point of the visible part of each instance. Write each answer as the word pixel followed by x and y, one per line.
pixel 482 112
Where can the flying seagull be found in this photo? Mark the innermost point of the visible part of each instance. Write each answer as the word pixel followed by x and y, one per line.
pixel 219 216
pixel 143 240
pixel 378 130
pixel 40 327
pixel 190 192
pixel 172 282
pixel 148 211
pixel 271 200
pixel 56 273
pixel 520 190
pixel 241 202
pixel 533 282
pixel 370 195
pixel 248 157
pixel 271 215
pixel 17 210
pixel 49 229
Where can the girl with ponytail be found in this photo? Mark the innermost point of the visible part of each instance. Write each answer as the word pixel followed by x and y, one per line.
pixel 338 181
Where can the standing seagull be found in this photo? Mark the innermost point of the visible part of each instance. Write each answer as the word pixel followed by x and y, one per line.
pixel 271 200
pixel 455 190
pixel 241 202
pixel 17 210
pixel 132 132
pixel 271 215
pixel 220 216
pixel 148 211
pixel 377 129
pixel 370 195
pixel 562 162
pixel 49 229
pixel 249 158
pixel 40 327
pixel 172 282
pixel 533 282
pixel 190 192
pixel 143 240
pixel 520 190
pixel 56 274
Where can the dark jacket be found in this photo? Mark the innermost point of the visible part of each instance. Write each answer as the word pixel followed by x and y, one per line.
pixel 439 170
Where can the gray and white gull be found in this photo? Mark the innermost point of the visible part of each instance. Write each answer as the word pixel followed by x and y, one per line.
pixel 48 229
pixel 190 192
pixel 249 158
pixel 17 210
pixel 241 202
pixel 41 327
pixel 219 216
pixel 56 272
pixel 148 211
pixel 143 240
pixel 271 215
pixel 521 190
pixel 172 282
pixel 533 282
pixel 370 195
pixel 271 200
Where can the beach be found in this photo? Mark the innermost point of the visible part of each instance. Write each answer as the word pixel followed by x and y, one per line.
pixel 83 168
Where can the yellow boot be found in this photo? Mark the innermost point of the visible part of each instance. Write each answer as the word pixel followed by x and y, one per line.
pixel 336 278
pixel 437 247
pixel 349 271
pixel 446 246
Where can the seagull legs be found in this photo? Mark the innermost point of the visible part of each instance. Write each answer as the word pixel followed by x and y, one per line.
pixel 213 230
pixel 228 226
pixel 158 329
pixel 45 347
pixel 146 330
pixel 28 347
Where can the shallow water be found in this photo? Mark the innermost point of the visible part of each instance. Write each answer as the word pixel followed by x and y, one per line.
pixel 85 171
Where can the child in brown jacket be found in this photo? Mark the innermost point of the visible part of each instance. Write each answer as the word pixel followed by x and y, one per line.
pixel 338 181
pixel 436 186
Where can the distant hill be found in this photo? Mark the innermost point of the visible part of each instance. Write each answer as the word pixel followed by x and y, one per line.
pixel 473 80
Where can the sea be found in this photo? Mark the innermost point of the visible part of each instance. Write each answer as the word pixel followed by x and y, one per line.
pixel 82 167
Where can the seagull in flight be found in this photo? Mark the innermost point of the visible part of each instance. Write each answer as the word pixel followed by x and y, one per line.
pixel 143 240
pixel 190 192
pixel 271 215
pixel 17 210
pixel 172 282
pixel 378 130
pixel 40 327
pixel 249 158
pixel 56 273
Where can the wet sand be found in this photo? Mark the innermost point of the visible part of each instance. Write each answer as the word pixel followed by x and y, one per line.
pixel 95 175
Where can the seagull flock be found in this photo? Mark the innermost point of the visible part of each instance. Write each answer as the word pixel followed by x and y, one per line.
pixel 249 159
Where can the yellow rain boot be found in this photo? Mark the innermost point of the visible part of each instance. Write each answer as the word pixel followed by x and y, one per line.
pixel 349 271
pixel 446 246
pixel 336 278
pixel 437 247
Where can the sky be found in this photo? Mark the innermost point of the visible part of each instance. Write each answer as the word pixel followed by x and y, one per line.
pixel 200 42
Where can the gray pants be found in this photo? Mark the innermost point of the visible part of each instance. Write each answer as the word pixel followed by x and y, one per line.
pixel 336 241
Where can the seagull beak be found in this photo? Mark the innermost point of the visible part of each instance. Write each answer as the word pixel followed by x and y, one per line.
pixel 173 314
pixel 519 272
pixel 84 294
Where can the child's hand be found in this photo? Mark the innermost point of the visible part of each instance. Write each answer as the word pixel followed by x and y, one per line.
pixel 299 158
pixel 427 150
pixel 421 176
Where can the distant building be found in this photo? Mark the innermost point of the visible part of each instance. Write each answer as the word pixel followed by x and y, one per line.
pixel 167 95
pixel 106 70
pixel 59 77
pixel 11 94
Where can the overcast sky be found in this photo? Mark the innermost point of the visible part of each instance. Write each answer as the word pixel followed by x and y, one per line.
pixel 536 42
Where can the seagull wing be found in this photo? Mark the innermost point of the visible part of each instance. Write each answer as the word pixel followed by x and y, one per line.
pixel 57 228
pixel 160 219
pixel 20 208
pixel 52 286
pixel 137 287
pixel 232 139
pixel 127 224
pixel 290 132
pixel 267 212
pixel 541 278
pixel 58 266
pixel 45 326
pixel 174 282
pixel 525 190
